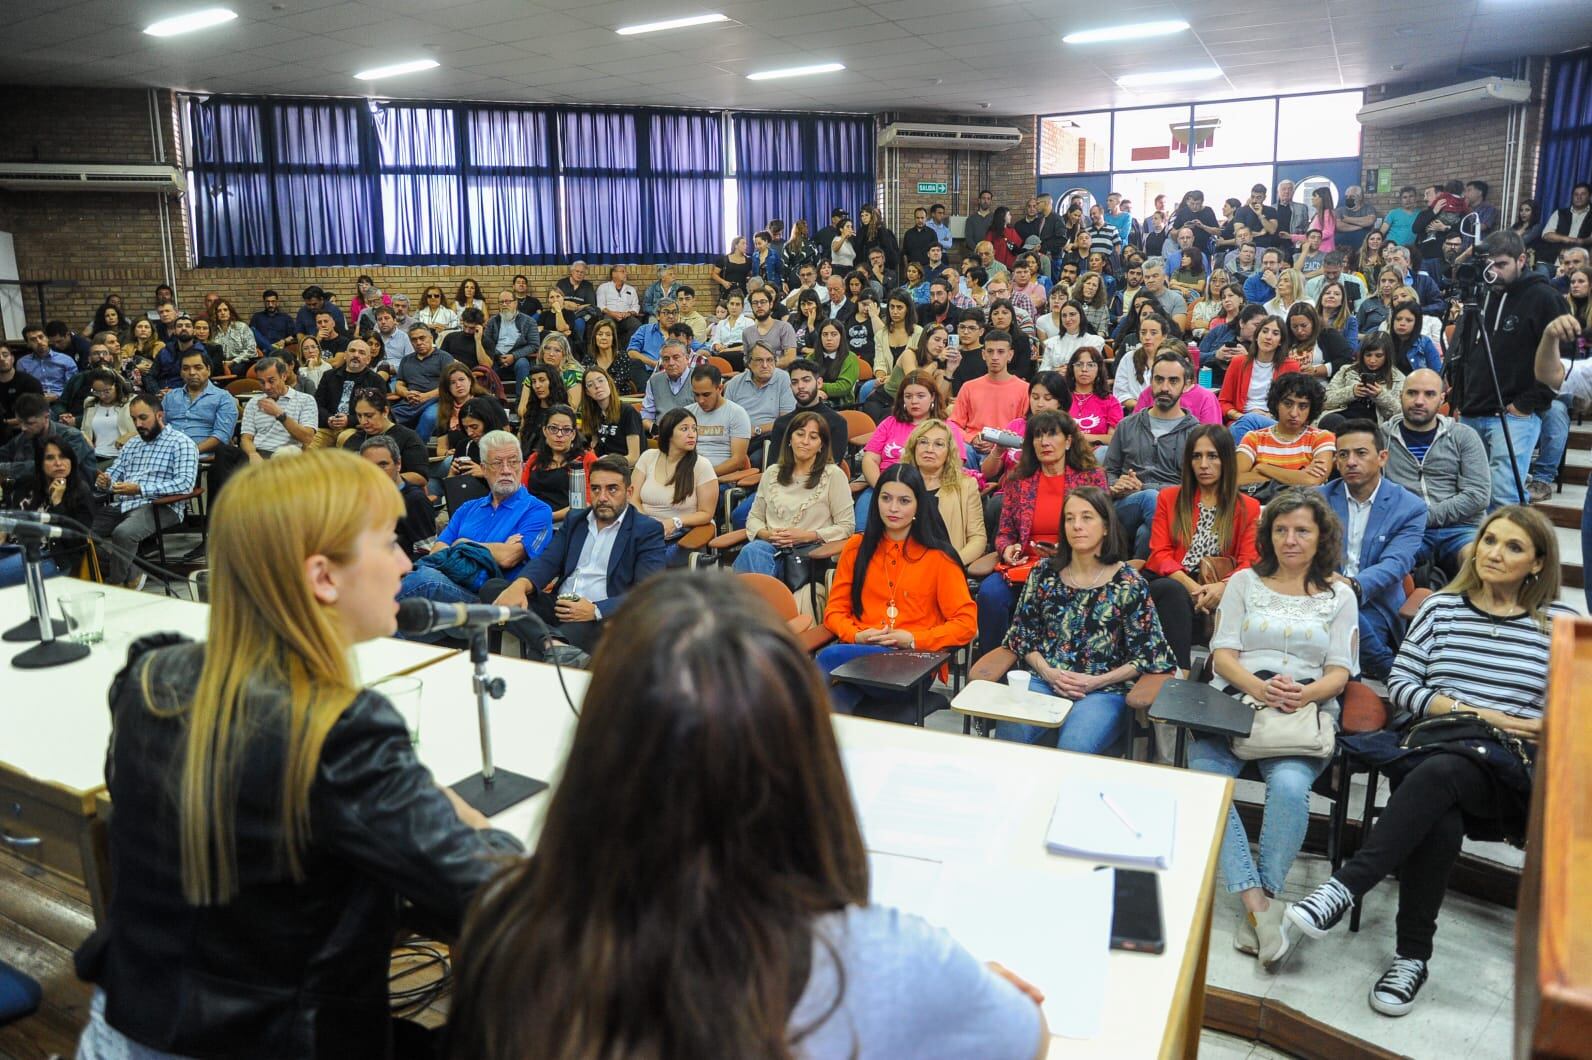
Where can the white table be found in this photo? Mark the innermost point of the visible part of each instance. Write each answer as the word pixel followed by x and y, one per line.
pixel 55 723
pixel 1154 1004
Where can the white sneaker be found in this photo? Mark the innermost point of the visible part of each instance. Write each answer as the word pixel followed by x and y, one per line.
pixel 137 584
pixel 1244 938
pixel 1271 932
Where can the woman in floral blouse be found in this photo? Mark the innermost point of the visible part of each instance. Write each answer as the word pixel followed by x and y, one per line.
pixel 1086 629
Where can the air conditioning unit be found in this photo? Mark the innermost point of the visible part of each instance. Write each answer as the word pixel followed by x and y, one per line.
pixel 1465 98
pixel 53 176
pixel 953 137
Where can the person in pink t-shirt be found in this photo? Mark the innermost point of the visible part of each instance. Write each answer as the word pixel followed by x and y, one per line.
pixel 1196 401
pixel 1094 408
pixel 917 399
pixel 991 400
pixel 1049 392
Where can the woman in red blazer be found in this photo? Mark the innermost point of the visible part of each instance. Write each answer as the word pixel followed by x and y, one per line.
pixel 1266 349
pixel 1204 518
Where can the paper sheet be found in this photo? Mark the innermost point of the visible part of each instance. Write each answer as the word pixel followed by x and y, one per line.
pixel 926 806
pixel 1052 930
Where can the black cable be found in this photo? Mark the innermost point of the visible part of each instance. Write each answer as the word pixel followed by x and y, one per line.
pixel 414 1000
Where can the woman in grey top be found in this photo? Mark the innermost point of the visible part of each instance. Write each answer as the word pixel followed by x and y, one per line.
pixel 700 887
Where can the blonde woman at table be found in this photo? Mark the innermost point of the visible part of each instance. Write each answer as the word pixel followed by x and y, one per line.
pixel 730 918
pixel 270 812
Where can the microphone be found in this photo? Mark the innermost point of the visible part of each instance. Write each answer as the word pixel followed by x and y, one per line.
pixel 427 616
pixel 34 517
pixel 32 531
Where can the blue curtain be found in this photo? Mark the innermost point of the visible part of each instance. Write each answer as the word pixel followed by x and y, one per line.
pixel 602 184
pixel 1566 158
pixel 422 216
pixel 800 167
pixel 683 189
pixel 280 184
pixel 511 186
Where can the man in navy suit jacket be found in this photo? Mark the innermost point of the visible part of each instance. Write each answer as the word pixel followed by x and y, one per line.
pixel 1383 528
pixel 599 554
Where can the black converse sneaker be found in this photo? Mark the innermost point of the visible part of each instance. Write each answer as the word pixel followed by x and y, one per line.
pixel 1394 993
pixel 1319 911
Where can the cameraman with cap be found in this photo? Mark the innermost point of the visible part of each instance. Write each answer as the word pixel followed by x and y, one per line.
pixel 1519 315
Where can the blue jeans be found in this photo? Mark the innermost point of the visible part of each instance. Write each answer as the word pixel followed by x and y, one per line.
pixel 843 699
pixel 1379 643
pixel 756 558
pixel 1523 432
pixel 1555 421
pixel 421 416
pixel 428 583
pixel 1282 830
pixel 996 599
pixel 522 368
pixel 863 503
pixel 1136 512
pixel 1444 542
pixel 13 568
pixel 1249 421
pixel 741 511
pixel 1095 725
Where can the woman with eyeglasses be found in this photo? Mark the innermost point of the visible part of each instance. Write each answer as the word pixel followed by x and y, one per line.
pixel 562 448
pixel 107 419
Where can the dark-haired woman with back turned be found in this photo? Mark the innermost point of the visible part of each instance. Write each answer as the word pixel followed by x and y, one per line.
pixel 1205 517
pixel 899 584
pixel 1086 628
pixel 270 812
pixel 730 918
pixel 1499 609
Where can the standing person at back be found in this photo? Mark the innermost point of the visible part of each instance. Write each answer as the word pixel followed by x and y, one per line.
pixel 1516 316
pixel 990 400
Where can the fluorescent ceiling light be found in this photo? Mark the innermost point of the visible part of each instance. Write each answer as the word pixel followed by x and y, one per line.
pixel 796 71
pixel 1132 31
pixel 395 69
pixel 1169 77
pixel 672 23
pixel 170 27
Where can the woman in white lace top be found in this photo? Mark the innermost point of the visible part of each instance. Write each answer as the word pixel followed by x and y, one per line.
pixel 1286 634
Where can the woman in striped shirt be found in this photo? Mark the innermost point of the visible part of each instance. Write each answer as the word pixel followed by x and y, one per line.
pixel 1499 609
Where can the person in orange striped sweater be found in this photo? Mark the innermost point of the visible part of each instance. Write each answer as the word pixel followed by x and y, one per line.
pixel 899 584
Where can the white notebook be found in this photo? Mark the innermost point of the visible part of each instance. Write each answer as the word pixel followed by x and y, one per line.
pixel 1118 823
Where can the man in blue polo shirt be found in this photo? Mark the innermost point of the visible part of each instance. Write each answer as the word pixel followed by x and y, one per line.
pixel 207 414
pixel 508 523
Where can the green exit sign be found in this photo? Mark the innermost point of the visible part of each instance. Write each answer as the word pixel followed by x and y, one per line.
pixel 930 188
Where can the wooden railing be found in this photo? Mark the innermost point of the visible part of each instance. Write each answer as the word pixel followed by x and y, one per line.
pixel 1553 932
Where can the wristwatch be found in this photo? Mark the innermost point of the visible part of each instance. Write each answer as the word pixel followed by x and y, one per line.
pixel 281 416
pixel 1354 583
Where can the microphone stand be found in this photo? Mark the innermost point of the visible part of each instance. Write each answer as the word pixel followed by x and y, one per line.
pixel 38 605
pixel 41 627
pixel 492 790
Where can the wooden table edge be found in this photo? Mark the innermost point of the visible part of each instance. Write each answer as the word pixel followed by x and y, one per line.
pixel 1183 1012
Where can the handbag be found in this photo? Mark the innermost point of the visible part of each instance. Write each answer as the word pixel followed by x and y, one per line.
pixel 1308 732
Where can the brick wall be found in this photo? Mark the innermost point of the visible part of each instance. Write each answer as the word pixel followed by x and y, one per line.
pixel 1009 174
pixel 92 243
pixel 1466 148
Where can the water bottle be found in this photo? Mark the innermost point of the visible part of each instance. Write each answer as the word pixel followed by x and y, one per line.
pixel 577 487
pixel 1205 378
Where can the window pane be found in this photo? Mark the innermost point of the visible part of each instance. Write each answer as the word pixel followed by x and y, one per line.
pixel 1147 139
pixel 1319 126
pixel 1218 185
pixel 1075 143
pixel 1228 133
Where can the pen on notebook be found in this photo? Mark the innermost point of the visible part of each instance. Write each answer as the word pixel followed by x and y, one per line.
pixel 1114 808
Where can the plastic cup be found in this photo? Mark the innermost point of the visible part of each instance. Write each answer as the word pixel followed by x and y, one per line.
pixel 1019 680
pixel 84 614
pixel 404 694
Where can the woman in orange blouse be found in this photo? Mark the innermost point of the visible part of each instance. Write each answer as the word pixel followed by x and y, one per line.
pixel 899 584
